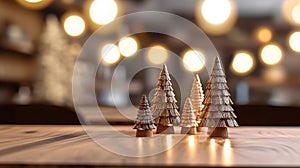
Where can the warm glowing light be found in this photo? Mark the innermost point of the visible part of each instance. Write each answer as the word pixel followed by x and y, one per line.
pixel 243 62
pixel 216 11
pixel 294 41
pixel 271 54
pixel 216 17
pixel 192 141
pixel 103 11
pixel 296 13
pixel 275 74
pixel 212 149
pixel 33 1
pixel 263 34
pixel 128 46
pixel 227 152
pixel 110 53
pixel 34 4
pixel 212 143
pixel 193 60
pixel 291 11
pixel 74 25
pixel 157 55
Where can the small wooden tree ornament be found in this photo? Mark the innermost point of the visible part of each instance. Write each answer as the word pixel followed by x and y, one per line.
pixel 164 108
pixel 197 97
pixel 188 121
pixel 144 122
pixel 217 111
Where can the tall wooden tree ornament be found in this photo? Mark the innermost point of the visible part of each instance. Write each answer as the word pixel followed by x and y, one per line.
pixel 164 108
pixel 197 97
pixel 188 121
pixel 144 122
pixel 217 111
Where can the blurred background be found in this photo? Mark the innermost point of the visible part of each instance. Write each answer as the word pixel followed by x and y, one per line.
pixel 258 42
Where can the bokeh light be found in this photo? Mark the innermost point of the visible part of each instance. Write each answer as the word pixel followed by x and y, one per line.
pixel 263 34
pixel 296 13
pixel 271 54
pixel 294 41
pixel 193 60
pixel 35 4
pixel 243 62
pixel 103 12
pixel 216 11
pixel 291 11
pixel 110 54
pixel 128 46
pixel 216 17
pixel 275 74
pixel 157 54
pixel 74 24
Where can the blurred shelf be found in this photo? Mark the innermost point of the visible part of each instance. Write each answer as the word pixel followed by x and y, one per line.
pixel 23 49
pixel 256 82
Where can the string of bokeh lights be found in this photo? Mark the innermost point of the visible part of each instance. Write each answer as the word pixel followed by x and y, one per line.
pixel 100 12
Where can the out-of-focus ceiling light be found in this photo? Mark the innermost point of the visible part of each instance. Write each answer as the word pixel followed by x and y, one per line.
pixel 216 17
pixel 296 14
pixel 271 54
pixel 103 12
pixel 294 41
pixel 263 34
pixel 34 4
pixel 243 63
pixel 193 60
pixel 291 11
pixel 275 74
pixel 216 11
pixel 74 25
pixel 109 54
pixel 128 46
pixel 157 54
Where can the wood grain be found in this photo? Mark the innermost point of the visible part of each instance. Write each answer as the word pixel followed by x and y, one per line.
pixel 70 145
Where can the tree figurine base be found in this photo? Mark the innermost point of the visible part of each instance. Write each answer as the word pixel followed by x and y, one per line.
pixel 199 129
pixel 219 132
pixel 144 133
pixel 161 129
pixel 189 130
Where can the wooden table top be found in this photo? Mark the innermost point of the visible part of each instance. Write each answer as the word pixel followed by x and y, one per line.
pixel 70 145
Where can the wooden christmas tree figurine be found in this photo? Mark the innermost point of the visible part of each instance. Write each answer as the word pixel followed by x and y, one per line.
pixel 164 108
pixel 144 122
pixel 158 103
pixel 188 118
pixel 197 97
pixel 217 111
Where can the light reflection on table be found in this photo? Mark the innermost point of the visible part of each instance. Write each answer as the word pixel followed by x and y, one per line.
pixel 247 146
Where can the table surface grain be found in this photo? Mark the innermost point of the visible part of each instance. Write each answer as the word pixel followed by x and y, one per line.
pixel 70 145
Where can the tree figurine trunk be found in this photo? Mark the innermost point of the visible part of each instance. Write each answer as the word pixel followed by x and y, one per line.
pixel 144 122
pixel 188 118
pixel 164 108
pixel 197 97
pixel 217 112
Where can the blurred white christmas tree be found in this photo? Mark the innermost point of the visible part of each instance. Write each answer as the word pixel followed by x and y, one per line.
pixel 197 97
pixel 55 66
pixel 217 112
pixel 188 118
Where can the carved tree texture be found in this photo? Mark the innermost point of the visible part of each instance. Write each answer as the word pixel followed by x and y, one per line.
pixel 217 110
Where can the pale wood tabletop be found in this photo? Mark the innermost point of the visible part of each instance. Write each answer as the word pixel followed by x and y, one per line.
pixel 70 145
